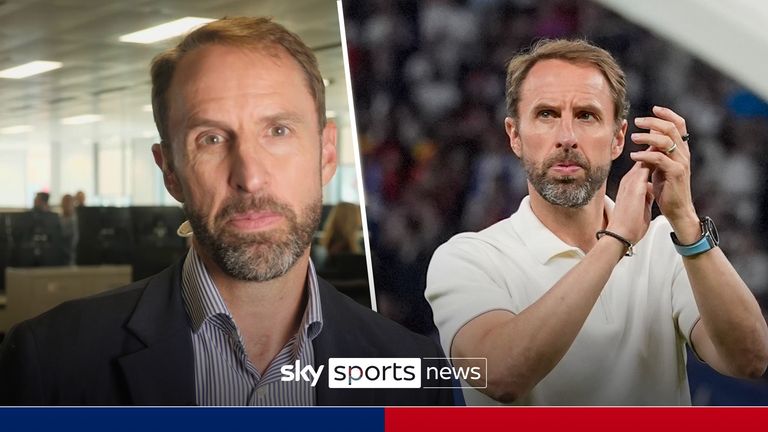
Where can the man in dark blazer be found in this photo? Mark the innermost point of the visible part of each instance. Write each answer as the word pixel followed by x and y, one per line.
pixel 133 346
pixel 245 146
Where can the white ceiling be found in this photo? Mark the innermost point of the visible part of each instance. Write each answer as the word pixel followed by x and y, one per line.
pixel 102 74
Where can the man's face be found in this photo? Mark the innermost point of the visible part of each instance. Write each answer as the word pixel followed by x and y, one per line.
pixel 566 133
pixel 248 158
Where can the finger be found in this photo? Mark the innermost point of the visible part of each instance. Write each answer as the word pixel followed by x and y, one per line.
pixel 658 161
pixel 649 197
pixel 657 141
pixel 638 174
pixel 669 115
pixel 639 169
pixel 656 124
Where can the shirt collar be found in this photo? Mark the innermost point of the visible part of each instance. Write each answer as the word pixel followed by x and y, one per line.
pixel 203 301
pixel 312 323
pixel 543 244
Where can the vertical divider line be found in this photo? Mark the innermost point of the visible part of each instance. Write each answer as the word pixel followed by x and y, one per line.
pixel 358 160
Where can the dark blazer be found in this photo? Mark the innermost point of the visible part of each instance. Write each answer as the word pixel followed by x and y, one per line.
pixel 133 346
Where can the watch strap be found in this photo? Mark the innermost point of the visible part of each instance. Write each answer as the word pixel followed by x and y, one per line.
pixel 706 242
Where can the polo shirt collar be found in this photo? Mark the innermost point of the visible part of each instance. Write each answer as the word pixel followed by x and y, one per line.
pixel 543 244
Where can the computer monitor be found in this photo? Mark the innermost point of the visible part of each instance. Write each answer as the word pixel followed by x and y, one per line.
pixel 106 235
pixel 5 246
pixel 35 239
pixel 156 244
pixel 5 227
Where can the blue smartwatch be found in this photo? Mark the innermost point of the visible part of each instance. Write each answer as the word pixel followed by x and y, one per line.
pixel 709 240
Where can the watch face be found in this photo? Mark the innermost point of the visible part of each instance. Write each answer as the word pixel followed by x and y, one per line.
pixel 708 226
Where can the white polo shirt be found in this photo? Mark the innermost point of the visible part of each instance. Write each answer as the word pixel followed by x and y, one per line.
pixel 630 350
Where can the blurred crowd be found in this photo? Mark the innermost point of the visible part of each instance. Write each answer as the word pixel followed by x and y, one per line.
pixel 428 82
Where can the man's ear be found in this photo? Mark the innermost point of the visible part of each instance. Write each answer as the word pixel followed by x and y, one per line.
pixel 617 146
pixel 328 157
pixel 170 179
pixel 513 132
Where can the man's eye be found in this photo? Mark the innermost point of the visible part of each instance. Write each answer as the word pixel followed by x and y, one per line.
pixel 212 139
pixel 587 116
pixel 278 131
pixel 545 114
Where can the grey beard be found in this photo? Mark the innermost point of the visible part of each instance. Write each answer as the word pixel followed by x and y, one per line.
pixel 567 191
pixel 262 256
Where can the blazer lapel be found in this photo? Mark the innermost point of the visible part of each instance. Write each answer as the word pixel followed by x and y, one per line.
pixel 340 337
pixel 162 372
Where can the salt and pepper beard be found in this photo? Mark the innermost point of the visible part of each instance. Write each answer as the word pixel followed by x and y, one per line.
pixel 566 191
pixel 256 256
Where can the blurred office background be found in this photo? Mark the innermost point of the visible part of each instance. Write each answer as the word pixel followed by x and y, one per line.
pixel 86 125
pixel 428 82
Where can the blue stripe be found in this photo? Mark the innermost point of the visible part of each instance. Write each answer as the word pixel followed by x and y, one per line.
pixel 191 419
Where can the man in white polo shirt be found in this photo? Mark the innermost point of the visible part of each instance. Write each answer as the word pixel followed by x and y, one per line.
pixel 575 300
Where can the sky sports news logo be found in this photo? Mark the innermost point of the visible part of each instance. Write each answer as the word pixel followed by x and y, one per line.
pixel 368 373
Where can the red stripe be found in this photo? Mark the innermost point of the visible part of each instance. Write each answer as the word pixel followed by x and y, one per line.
pixel 466 419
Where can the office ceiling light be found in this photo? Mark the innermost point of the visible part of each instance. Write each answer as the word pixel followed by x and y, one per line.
pixel 147 108
pixel 16 129
pixel 28 69
pixel 164 31
pixel 81 119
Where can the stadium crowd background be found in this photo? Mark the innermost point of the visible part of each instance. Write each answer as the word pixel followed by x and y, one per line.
pixel 428 83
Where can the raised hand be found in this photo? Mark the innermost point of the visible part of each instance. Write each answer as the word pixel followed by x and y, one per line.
pixel 632 214
pixel 669 156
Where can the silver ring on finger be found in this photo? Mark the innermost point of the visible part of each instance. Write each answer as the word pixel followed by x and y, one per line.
pixel 671 149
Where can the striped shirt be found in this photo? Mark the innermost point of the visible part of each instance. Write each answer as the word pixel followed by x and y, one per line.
pixel 223 373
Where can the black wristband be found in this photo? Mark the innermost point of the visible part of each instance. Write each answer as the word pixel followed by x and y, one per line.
pixel 630 247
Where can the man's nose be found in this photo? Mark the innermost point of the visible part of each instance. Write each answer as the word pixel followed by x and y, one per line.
pixel 566 137
pixel 249 167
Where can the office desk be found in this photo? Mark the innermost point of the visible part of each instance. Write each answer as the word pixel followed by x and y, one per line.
pixel 32 291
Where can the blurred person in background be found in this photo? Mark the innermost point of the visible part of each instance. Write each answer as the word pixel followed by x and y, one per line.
pixel 341 233
pixel 339 252
pixel 69 228
pixel 40 203
pixel 79 199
